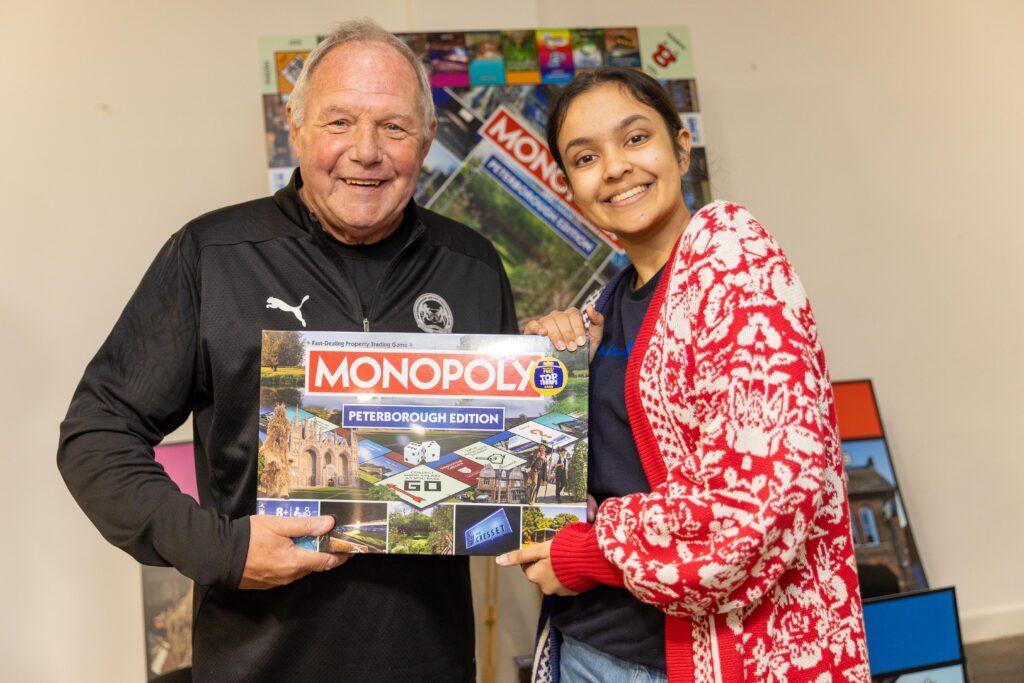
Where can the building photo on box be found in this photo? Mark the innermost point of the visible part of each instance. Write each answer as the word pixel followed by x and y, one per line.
pixel 525 342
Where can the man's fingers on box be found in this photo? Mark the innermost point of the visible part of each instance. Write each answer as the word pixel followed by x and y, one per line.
pixel 316 561
pixel 295 527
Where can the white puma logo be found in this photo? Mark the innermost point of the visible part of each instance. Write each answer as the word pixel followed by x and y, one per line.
pixel 274 302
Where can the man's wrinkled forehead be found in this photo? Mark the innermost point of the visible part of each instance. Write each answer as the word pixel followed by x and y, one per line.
pixel 371 67
pixel 366 70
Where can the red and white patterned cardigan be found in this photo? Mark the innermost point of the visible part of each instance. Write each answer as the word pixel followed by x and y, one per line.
pixel 744 540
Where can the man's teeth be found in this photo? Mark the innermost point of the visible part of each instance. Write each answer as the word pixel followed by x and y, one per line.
pixel 632 192
pixel 368 183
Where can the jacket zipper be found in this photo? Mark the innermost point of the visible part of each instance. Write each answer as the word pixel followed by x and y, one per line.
pixel 417 231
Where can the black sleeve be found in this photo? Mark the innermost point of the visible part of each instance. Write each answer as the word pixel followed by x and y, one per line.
pixel 139 387
pixel 509 322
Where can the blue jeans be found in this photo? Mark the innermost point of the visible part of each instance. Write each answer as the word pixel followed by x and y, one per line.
pixel 580 663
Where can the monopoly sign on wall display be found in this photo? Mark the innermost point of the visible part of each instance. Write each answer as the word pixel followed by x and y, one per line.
pixel 423 444
pixel 489 166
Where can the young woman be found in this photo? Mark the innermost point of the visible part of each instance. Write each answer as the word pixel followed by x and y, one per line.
pixel 721 550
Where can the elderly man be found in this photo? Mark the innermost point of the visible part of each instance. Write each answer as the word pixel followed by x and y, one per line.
pixel 343 247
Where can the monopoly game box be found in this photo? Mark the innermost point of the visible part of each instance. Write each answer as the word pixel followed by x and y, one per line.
pixel 439 444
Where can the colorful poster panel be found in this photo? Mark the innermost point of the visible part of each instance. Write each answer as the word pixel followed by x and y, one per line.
pixel 486 62
pixel 457 125
pixel 622 47
pixel 696 185
pixel 281 60
pixel 522 67
pixel 693 123
pixel 449 60
pixel 417 42
pixel 684 95
pixel 587 48
pixel 438 168
pixel 666 52
pixel 279 149
pixel 555 55
pixel 888 561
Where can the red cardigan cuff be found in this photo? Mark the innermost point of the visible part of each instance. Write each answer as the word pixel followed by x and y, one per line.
pixel 578 561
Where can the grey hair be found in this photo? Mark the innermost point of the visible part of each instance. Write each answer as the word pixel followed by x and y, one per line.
pixel 361 31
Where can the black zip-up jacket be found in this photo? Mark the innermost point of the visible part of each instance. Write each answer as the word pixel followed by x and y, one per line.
pixel 189 342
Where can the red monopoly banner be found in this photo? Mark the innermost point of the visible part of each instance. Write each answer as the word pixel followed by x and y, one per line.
pixel 412 373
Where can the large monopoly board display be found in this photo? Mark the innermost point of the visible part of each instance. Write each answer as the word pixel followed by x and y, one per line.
pixel 489 166
pixel 439 444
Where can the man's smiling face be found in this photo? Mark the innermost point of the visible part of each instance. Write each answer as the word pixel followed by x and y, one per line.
pixel 361 143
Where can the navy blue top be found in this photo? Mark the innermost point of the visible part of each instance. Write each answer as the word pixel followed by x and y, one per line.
pixel 607 618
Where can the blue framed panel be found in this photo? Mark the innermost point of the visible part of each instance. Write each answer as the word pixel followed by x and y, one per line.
pixel 913 631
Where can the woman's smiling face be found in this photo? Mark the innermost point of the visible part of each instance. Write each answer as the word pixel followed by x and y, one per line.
pixel 623 167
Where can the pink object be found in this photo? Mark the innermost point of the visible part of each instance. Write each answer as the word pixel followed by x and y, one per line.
pixel 179 461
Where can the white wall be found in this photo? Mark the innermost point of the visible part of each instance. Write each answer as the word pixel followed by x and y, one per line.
pixel 881 142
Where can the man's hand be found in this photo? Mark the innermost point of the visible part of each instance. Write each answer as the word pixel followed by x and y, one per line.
pixel 566 330
pixel 274 560
pixel 536 563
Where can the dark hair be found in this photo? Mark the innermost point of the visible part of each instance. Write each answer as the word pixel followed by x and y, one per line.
pixel 639 85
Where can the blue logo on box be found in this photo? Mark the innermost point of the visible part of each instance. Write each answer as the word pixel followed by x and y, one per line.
pixel 288 508
pixel 488 529
pixel 469 418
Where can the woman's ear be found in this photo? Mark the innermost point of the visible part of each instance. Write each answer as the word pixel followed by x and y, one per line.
pixel 684 143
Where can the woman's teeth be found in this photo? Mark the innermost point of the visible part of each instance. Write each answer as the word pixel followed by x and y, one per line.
pixel 632 192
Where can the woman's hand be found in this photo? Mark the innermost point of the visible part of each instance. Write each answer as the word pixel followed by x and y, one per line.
pixel 536 563
pixel 566 329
